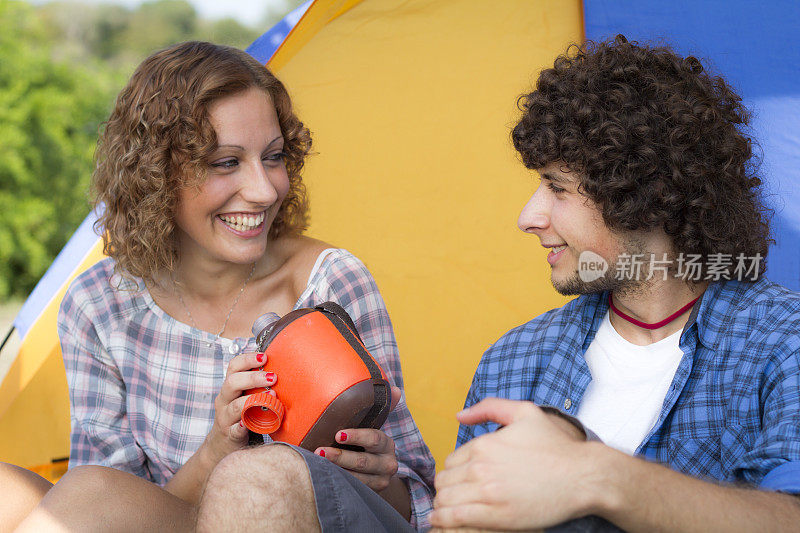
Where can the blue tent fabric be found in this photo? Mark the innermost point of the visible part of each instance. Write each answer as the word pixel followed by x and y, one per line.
pixel 64 264
pixel 265 46
pixel 754 46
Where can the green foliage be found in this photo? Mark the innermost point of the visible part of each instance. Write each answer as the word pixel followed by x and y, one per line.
pixel 49 113
pixel 61 65
pixel 121 38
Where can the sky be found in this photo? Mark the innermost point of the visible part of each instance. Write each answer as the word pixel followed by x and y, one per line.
pixel 247 12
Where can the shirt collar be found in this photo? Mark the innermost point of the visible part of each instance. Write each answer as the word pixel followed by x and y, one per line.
pixel 595 307
pixel 720 301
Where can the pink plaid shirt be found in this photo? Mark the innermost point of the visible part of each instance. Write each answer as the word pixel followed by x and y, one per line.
pixel 142 384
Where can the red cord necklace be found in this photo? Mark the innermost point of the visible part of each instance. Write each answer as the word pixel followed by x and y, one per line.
pixel 656 325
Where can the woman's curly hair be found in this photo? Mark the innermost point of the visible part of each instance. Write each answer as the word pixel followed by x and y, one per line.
pixel 657 143
pixel 158 139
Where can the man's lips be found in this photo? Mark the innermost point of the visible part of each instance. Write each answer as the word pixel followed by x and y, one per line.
pixel 556 253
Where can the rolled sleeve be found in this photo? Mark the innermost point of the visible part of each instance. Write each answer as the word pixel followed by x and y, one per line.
pixel 100 432
pixel 773 462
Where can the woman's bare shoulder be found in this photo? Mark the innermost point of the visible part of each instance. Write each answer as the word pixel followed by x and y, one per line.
pixel 302 253
pixel 303 250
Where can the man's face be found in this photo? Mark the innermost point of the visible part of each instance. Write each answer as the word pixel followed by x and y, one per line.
pixel 569 224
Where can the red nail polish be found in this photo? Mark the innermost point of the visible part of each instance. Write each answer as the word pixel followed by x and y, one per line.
pixel 260 357
pixel 322 453
pixel 270 376
pixel 342 436
pixel 241 424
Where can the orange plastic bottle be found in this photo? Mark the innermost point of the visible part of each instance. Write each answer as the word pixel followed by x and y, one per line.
pixel 327 380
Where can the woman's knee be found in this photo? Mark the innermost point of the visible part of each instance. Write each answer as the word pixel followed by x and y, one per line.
pixel 12 475
pixel 88 481
pixel 22 492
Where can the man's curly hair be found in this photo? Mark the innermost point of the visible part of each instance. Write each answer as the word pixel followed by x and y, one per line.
pixel 158 139
pixel 657 141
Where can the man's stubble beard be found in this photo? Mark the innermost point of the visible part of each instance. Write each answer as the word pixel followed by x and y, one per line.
pixel 575 286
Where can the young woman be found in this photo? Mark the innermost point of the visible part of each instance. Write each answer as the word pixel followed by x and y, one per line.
pixel 199 174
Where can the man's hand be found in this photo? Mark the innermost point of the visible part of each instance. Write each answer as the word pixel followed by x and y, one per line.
pixel 526 475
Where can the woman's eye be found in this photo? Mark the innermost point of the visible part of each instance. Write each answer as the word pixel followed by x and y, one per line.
pixel 556 189
pixel 275 157
pixel 224 164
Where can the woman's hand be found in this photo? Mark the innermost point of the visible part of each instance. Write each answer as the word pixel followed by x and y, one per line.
pixel 376 465
pixel 228 434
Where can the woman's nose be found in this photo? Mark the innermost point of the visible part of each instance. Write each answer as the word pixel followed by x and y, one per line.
pixel 258 187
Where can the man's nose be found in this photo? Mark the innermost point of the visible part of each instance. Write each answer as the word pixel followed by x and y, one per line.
pixel 535 216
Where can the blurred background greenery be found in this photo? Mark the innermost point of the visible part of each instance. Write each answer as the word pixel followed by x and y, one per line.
pixel 61 66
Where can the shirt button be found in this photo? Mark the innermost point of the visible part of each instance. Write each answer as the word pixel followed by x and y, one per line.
pixel 567 404
pixel 233 348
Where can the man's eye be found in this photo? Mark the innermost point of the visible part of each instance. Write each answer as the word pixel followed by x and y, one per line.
pixel 226 163
pixel 275 157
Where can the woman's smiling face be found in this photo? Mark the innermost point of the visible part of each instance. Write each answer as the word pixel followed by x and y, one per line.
pixel 227 218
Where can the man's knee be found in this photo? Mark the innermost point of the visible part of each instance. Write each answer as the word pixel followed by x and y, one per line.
pixel 264 487
pixel 264 466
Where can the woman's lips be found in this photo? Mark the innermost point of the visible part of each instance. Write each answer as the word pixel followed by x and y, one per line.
pixel 243 226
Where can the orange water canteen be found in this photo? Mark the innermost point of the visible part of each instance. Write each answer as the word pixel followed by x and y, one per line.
pixel 327 380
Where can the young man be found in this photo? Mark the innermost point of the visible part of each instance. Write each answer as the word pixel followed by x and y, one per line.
pixel 677 353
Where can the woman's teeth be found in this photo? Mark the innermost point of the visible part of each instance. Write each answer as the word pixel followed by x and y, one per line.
pixel 243 222
pixel 557 249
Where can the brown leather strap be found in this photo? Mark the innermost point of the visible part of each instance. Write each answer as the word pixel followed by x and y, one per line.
pixel 344 324
pixel 338 310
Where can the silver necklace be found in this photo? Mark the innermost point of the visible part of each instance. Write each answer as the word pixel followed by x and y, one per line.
pixel 230 312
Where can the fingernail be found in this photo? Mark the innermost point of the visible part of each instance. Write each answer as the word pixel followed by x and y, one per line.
pixel 260 357
pixel 241 424
pixel 321 453
pixel 270 376
pixel 272 392
pixel 342 436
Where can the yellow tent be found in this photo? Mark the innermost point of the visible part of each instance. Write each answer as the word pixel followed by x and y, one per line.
pixel 410 104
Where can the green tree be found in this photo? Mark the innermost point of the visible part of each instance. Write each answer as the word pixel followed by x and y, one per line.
pixel 228 31
pixel 61 65
pixel 121 37
pixel 49 113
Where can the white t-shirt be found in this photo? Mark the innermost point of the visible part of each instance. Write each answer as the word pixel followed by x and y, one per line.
pixel 628 387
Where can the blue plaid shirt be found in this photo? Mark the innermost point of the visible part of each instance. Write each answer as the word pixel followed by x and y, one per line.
pixel 732 412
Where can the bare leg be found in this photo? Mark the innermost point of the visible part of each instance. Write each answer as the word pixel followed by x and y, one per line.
pixel 259 489
pixel 22 490
pixel 95 498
